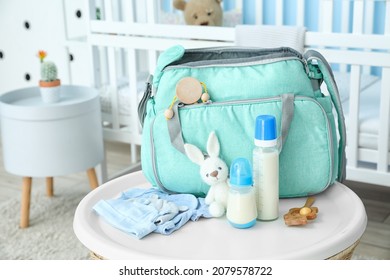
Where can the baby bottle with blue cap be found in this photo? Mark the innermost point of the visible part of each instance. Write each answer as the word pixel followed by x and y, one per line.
pixel 266 168
pixel 241 206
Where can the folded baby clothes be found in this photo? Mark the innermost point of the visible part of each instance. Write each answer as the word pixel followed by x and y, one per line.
pixel 139 212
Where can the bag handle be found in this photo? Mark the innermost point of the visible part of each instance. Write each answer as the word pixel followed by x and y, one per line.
pixel 174 125
pixel 314 58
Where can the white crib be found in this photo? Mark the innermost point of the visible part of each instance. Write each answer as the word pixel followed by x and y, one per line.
pixel 127 39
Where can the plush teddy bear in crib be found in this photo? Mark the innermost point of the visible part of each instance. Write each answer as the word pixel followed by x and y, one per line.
pixel 214 172
pixel 201 12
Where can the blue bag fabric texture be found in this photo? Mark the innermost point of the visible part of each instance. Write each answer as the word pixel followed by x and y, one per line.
pixel 139 212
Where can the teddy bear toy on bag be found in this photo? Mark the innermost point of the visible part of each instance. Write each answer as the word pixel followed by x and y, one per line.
pixel 201 12
pixel 214 172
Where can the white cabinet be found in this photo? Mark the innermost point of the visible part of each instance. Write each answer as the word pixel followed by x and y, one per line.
pixel 27 26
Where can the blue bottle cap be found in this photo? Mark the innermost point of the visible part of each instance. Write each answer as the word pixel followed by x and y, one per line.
pixel 265 131
pixel 241 173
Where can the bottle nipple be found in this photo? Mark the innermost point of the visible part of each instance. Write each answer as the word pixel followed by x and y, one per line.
pixel 241 173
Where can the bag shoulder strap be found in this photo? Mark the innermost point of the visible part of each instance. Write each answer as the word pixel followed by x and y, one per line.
pixel 313 57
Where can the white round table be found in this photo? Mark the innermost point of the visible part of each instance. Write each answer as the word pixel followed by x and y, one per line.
pixel 340 223
pixel 46 140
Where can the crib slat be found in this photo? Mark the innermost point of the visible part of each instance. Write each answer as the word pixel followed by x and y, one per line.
pixel 387 18
pixel 101 65
pixel 383 139
pixel 326 16
pixel 113 85
pixel 96 54
pixel 132 77
pixel 258 6
pixel 279 12
pixel 384 118
pixel 345 20
pixel 353 118
pixel 345 16
pixel 128 11
pixel 358 16
pixel 108 10
pixel 300 13
pixel 151 11
pixel 133 103
pixel 368 26
pixel 140 10
pixel 152 54
pixel 92 51
pixel 112 69
pixel 369 17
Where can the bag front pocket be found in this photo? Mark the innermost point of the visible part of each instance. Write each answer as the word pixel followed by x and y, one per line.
pixel 306 159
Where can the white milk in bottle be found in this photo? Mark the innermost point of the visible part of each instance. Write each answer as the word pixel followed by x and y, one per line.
pixel 266 168
pixel 241 206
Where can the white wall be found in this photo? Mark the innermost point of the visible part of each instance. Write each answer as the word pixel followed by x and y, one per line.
pixel 27 26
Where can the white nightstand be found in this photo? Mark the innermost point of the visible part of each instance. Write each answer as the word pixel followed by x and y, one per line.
pixel 47 140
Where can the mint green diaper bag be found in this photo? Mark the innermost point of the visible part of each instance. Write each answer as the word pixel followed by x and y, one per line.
pixel 243 83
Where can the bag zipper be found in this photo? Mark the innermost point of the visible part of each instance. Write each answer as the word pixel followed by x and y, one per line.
pixel 240 102
pixel 230 63
pixel 256 50
pixel 264 56
pixel 230 102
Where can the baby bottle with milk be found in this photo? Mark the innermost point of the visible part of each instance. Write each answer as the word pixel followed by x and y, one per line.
pixel 266 168
pixel 241 206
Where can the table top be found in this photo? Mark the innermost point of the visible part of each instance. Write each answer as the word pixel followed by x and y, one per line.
pixel 26 103
pixel 341 222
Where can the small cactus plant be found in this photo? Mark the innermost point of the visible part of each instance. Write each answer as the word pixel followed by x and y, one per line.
pixel 48 68
pixel 48 71
pixel 49 83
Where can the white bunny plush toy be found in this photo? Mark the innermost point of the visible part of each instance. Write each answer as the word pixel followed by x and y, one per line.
pixel 214 172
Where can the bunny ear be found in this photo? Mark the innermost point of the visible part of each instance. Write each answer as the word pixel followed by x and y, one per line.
pixel 213 145
pixel 194 154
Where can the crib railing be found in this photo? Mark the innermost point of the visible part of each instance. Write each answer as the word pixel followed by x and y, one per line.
pixel 354 36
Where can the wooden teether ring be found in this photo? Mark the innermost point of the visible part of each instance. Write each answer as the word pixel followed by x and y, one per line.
pixel 188 90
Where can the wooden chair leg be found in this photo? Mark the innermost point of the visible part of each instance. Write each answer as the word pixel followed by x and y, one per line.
pixel 49 186
pixel 93 181
pixel 25 207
